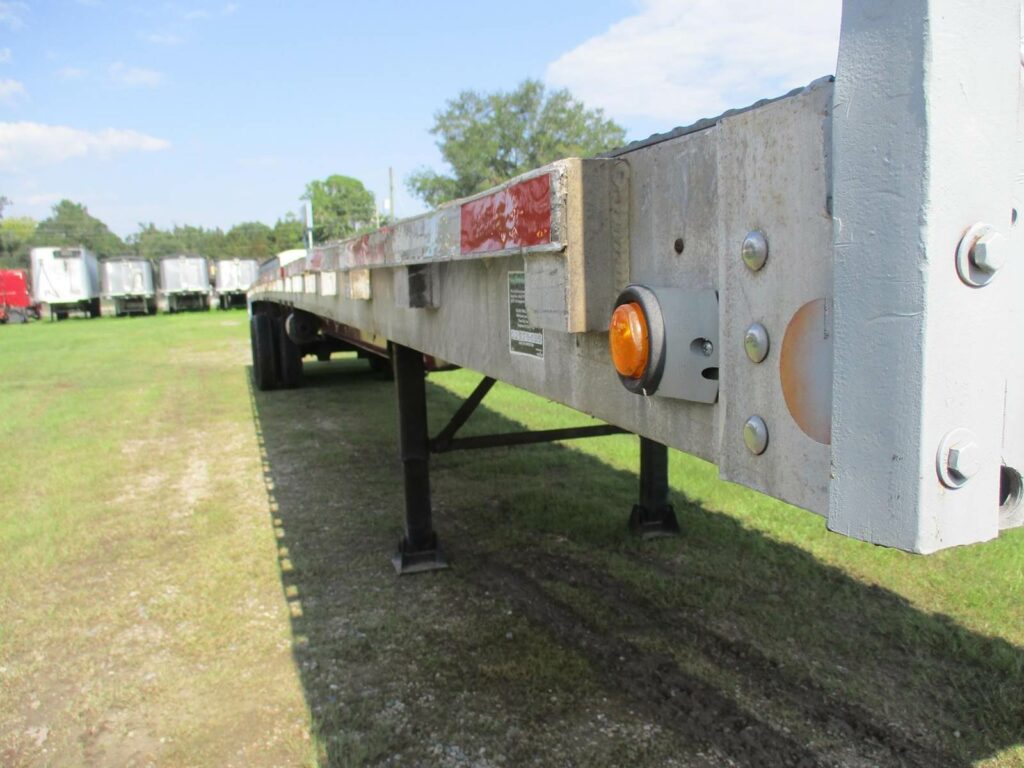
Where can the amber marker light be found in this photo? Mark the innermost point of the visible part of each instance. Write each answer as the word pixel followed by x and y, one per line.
pixel 627 337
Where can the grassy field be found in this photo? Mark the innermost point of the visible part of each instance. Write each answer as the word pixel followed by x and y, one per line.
pixel 194 574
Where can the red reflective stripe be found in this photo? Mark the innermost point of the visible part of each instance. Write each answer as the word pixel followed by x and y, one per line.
pixel 515 217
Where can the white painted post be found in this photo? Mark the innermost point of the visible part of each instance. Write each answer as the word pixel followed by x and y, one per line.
pixel 926 141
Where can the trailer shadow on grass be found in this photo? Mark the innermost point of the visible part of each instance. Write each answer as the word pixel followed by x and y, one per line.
pixel 556 639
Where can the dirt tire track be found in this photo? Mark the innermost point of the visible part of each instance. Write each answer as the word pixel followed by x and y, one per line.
pixel 680 702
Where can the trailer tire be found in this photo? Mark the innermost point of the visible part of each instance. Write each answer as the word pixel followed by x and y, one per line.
pixel 289 358
pixel 264 352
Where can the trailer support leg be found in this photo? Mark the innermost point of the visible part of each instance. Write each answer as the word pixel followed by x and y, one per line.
pixel 418 551
pixel 654 516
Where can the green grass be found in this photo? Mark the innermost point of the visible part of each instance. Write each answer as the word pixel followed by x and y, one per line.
pixel 193 572
pixel 132 559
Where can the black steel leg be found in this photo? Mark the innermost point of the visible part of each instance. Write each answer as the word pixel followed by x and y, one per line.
pixel 418 551
pixel 654 515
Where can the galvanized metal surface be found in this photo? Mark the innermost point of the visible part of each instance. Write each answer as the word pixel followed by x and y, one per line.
pixel 184 274
pixel 64 275
pixel 236 275
pixel 127 277
pixel 928 135
pixel 867 347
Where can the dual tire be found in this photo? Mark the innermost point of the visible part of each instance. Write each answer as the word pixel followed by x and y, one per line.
pixel 276 359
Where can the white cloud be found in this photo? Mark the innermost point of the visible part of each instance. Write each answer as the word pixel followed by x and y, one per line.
pixel 135 76
pixel 11 13
pixel 5 55
pixel 158 38
pixel 45 199
pixel 10 91
pixel 71 73
pixel 24 146
pixel 681 61
pixel 202 14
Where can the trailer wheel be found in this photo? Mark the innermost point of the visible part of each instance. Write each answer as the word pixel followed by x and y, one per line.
pixel 264 357
pixel 290 358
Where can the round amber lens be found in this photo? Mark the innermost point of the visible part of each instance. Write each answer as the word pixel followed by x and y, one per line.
pixel 627 336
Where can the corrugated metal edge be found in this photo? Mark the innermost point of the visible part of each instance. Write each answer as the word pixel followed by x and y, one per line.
pixel 711 122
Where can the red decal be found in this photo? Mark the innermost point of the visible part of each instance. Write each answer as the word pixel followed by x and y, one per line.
pixel 515 217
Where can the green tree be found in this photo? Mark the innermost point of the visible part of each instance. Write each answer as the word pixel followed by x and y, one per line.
pixel 342 207
pixel 71 224
pixel 487 139
pixel 153 243
pixel 15 236
pixel 251 239
pixel 288 233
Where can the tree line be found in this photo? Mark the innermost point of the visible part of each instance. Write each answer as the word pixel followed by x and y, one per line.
pixel 484 138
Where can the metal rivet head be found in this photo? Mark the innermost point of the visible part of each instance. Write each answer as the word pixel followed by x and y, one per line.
pixel 756 342
pixel 754 250
pixel 755 435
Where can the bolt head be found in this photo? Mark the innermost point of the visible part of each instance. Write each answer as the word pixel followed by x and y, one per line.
pixel 990 252
pixel 754 250
pixel 965 459
pixel 755 435
pixel 756 342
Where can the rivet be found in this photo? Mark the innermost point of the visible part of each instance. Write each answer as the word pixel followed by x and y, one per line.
pixel 754 250
pixel 756 342
pixel 755 435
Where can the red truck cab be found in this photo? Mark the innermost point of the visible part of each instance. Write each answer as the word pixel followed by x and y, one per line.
pixel 15 302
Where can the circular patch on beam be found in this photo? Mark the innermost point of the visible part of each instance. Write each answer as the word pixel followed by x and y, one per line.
pixel 805 368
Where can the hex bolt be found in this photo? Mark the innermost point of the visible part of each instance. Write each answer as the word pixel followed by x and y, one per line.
pixel 754 250
pixel 989 253
pixel 756 342
pixel 981 253
pixel 964 459
pixel 755 435
pixel 959 457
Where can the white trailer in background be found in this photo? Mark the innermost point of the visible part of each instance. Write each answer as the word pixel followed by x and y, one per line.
pixel 822 294
pixel 184 283
pixel 234 278
pixel 65 280
pixel 128 286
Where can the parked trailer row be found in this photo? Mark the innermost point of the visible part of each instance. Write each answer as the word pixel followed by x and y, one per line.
pixel 820 294
pixel 67 280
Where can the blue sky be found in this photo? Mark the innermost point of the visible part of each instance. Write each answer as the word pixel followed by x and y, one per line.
pixel 214 113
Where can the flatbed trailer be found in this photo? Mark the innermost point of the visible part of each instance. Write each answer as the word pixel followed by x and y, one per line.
pixel 814 293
